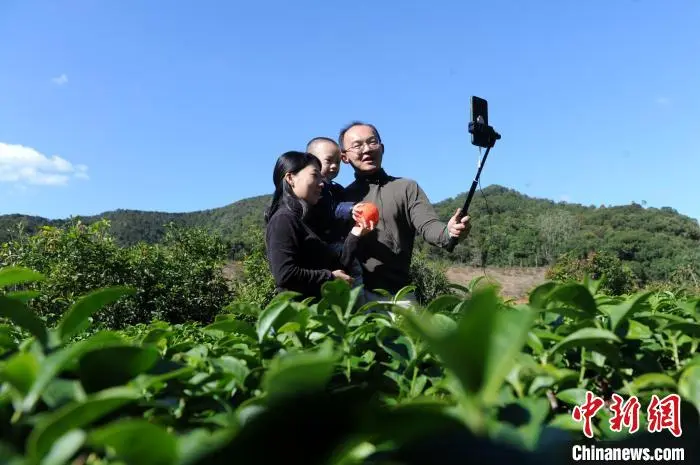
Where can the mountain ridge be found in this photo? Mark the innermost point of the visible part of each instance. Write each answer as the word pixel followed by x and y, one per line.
pixel 509 228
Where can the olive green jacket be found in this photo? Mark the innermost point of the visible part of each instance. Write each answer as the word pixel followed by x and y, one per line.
pixel 404 212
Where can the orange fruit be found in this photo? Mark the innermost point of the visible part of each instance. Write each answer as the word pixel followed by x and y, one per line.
pixel 369 212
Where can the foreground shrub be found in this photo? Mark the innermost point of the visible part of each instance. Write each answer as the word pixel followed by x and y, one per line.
pixel 177 280
pixel 464 380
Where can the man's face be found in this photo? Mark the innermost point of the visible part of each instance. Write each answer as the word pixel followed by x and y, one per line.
pixel 329 156
pixel 363 150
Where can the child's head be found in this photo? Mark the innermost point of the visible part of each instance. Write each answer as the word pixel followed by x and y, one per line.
pixel 328 153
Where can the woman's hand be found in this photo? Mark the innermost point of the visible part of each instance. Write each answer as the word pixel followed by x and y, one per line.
pixel 340 274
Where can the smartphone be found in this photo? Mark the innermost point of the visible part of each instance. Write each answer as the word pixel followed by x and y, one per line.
pixel 479 114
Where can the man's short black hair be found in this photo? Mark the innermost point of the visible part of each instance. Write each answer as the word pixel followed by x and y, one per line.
pixel 352 125
pixel 319 139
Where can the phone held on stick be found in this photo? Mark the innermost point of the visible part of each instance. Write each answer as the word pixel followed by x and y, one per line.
pixel 483 136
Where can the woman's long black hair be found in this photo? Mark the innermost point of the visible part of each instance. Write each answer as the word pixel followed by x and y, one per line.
pixel 289 162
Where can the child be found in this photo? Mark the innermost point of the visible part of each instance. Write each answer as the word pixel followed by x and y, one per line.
pixel 331 218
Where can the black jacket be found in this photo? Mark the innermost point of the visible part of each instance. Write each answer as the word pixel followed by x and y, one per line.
pixel 299 260
pixel 331 218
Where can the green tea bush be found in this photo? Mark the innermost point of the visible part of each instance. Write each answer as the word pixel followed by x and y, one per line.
pixel 177 280
pixel 429 277
pixel 617 278
pixel 461 380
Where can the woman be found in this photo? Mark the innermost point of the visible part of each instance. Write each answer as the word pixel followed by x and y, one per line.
pixel 299 260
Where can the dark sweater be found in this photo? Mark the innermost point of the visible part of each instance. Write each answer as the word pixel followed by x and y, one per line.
pixel 404 211
pixel 331 217
pixel 299 260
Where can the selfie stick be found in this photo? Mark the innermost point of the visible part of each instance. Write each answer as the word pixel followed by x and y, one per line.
pixel 477 127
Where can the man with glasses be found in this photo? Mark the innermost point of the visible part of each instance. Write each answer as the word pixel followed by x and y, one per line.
pixel 404 210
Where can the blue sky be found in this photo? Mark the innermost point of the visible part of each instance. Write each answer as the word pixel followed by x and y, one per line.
pixel 180 106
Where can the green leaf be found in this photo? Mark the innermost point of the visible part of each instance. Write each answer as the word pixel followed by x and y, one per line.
pixel 137 442
pixel 483 348
pixel 76 318
pixel 65 447
pixel 57 361
pixel 23 317
pixel 275 314
pixel 576 295
pixel 113 366
pixel 586 337
pixel 689 385
pixel 649 381
pixel 574 396
pixel 21 371
pixel 443 303
pixel 295 373
pixel 538 296
pixel 626 309
pixel 14 275
pixel 691 329
pixel 23 296
pixel 232 326
pixel 233 366
pixel 75 416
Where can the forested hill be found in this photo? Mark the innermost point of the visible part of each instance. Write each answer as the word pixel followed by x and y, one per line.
pixel 509 229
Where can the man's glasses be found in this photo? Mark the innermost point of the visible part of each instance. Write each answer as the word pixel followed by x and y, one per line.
pixel 371 144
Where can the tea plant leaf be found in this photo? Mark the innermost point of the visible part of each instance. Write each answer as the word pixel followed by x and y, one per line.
pixel 626 309
pixel 483 348
pixel 137 442
pixel 689 385
pixel 585 337
pixel 443 303
pixel 576 295
pixel 65 447
pixel 107 367
pixel 574 396
pixel 649 381
pixel 23 296
pixel 76 318
pixel 57 361
pixel 276 314
pixel 297 373
pixel 74 416
pixel 20 371
pixel 538 296
pixel 23 317
pixel 686 327
pixel 232 326
pixel 14 275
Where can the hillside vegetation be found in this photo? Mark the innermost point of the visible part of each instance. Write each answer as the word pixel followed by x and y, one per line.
pixel 509 229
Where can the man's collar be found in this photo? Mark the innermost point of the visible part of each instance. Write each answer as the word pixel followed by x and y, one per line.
pixel 374 178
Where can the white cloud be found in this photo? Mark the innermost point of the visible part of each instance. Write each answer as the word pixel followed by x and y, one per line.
pixel 60 80
pixel 565 198
pixel 663 101
pixel 24 165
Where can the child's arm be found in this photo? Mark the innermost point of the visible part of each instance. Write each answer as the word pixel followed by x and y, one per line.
pixel 343 211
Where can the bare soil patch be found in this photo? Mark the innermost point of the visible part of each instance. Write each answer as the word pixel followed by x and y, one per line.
pixel 514 283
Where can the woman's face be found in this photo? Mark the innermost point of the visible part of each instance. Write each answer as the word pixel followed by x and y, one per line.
pixel 307 184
